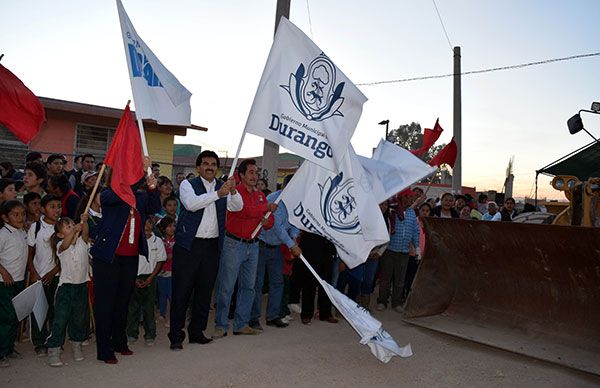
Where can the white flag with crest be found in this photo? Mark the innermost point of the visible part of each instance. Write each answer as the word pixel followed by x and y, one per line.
pixel 157 94
pixel 304 102
pixel 337 206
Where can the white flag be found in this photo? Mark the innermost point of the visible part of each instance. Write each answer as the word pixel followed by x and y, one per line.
pixel 304 102
pixel 31 300
pixel 369 329
pixel 157 94
pixel 393 169
pixel 339 207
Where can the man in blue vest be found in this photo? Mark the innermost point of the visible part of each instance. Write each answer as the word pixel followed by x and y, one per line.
pixel 198 242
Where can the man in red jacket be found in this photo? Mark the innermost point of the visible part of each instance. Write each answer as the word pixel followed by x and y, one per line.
pixel 239 257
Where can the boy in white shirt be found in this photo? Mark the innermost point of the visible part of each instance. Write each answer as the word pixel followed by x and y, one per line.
pixel 144 295
pixel 42 266
pixel 13 261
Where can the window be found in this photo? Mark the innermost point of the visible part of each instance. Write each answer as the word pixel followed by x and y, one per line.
pixel 93 139
pixel 11 148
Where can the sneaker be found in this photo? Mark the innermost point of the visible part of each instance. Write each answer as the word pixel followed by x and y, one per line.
pixel 380 307
pixel 149 342
pixel 295 308
pixel 85 343
pixel 331 319
pixel 289 317
pixel 219 333
pixel 131 340
pixel 247 330
pixel 399 309
pixel 54 357
pixel 77 353
pixel 256 325
pixel 4 363
pixel 41 351
pixel 277 323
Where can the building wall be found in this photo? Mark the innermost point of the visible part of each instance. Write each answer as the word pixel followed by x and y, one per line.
pixel 56 136
pixel 160 148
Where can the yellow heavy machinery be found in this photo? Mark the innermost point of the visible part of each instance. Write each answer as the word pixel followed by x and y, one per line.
pixel 532 289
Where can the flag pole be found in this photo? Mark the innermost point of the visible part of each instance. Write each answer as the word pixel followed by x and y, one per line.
pixel 100 175
pixel 237 155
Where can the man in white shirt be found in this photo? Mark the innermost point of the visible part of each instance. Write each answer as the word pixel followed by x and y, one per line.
pixel 198 242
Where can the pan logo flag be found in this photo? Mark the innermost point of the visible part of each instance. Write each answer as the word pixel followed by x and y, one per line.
pixel 304 102
pixel 157 94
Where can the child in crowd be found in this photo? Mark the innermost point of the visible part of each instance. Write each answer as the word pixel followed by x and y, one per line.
pixel 167 229
pixel 13 262
pixel 171 207
pixel 70 243
pixel 42 266
pixel 7 190
pixel 144 294
pixel 33 205
pixel 35 178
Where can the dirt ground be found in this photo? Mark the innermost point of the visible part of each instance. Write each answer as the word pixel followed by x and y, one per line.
pixel 319 355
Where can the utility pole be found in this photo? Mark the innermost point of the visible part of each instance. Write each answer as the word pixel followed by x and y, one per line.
pixel 457 124
pixel 270 149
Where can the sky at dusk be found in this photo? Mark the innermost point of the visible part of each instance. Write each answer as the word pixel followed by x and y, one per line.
pixel 73 50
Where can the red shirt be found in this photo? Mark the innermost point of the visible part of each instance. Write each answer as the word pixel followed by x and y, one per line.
pixel 169 243
pixel 242 224
pixel 125 248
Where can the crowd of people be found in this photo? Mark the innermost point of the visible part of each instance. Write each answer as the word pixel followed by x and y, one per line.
pixel 183 249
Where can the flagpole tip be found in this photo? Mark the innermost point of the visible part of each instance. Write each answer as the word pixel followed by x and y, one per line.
pixel 128 101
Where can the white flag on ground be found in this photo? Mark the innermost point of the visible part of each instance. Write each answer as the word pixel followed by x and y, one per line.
pixel 369 329
pixel 393 169
pixel 31 300
pixel 339 207
pixel 157 94
pixel 304 102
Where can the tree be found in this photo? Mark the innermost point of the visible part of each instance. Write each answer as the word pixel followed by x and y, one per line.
pixel 410 137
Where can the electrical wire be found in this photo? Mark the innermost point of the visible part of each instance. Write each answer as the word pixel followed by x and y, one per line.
pixel 511 67
pixel 442 23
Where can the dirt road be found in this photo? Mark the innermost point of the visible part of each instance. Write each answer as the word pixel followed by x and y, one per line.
pixel 319 355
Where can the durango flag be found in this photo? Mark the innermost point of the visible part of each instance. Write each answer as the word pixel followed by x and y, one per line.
pixel 339 207
pixel 157 94
pixel 304 102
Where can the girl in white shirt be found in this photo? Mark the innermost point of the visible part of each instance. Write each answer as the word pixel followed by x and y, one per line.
pixel 70 244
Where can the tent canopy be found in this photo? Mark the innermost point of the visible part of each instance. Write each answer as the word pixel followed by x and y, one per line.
pixel 582 163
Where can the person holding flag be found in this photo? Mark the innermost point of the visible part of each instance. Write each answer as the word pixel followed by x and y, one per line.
pixel 120 237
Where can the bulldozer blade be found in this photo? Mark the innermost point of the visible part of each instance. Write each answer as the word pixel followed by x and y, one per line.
pixel 529 289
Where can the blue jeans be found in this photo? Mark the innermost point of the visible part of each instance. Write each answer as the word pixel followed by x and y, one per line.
pixel 164 294
pixel 351 278
pixel 270 259
pixel 238 262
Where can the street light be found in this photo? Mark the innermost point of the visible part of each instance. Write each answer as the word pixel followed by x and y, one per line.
pixel 387 124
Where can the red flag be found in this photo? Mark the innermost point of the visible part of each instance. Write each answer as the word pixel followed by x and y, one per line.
pixel 124 157
pixel 430 136
pixel 20 110
pixel 447 155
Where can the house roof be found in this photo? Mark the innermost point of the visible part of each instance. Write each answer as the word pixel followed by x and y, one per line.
pixel 583 163
pixel 103 111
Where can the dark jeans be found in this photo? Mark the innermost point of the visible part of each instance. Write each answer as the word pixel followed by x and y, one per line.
pixel 8 317
pixel 194 270
pixel 316 252
pixel 411 271
pixel 69 311
pixel 113 285
pixel 393 271
pixel 39 336
pixel 142 302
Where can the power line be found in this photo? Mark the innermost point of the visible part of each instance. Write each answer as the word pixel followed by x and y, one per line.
pixel 519 66
pixel 309 20
pixel 442 23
